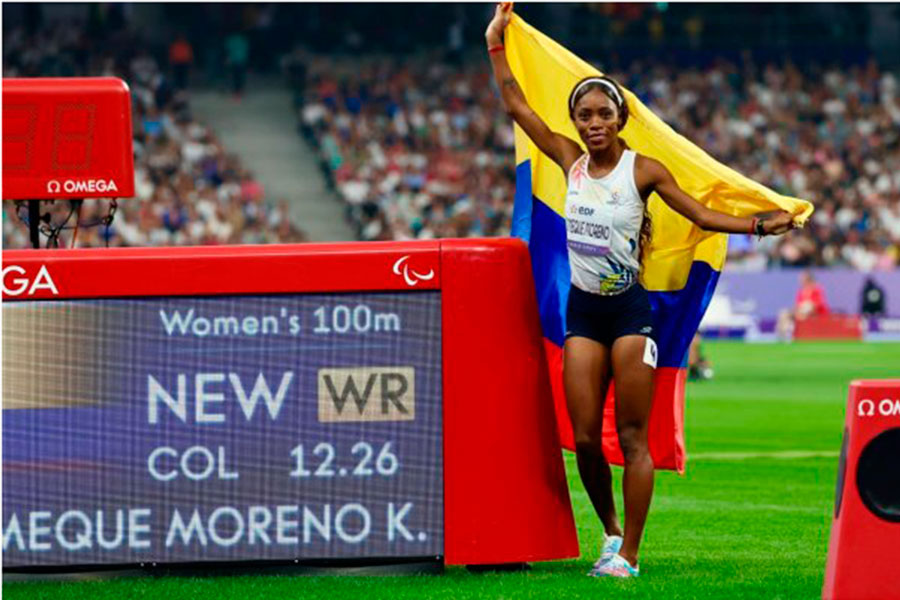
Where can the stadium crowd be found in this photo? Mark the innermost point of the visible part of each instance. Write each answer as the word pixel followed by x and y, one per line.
pixel 421 148
pixel 189 188
pixel 416 148
pixel 417 145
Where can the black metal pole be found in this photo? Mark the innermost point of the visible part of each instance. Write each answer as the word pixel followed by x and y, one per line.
pixel 34 222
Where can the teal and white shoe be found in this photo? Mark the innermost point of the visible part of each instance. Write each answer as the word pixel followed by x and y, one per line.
pixel 611 546
pixel 616 567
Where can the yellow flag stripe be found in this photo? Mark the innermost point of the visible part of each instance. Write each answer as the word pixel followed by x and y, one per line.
pixel 547 72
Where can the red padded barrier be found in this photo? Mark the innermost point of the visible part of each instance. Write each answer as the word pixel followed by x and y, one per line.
pixel 829 327
pixel 506 498
pixel 865 533
pixel 219 270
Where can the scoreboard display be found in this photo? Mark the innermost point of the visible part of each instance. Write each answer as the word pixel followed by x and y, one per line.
pixel 232 428
pixel 277 403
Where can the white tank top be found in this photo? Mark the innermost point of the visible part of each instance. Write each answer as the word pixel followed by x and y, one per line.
pixel 603 227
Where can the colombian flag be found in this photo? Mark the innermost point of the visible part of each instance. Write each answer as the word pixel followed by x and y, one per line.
pixel 680 268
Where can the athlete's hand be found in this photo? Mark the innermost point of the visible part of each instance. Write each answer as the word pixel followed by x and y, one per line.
pixel 495 29
pixel 778 223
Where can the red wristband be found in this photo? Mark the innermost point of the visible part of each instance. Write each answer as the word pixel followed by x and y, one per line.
pixel 753 225
pixel 496 48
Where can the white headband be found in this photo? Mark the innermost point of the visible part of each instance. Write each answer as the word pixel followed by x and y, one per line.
pixel 604 83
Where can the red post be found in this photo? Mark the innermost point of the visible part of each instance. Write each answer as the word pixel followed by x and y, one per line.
pixel 865 533
pixel 505 493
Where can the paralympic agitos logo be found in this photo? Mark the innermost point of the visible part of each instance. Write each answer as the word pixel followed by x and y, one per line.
pixel 16 281
pixel 409 275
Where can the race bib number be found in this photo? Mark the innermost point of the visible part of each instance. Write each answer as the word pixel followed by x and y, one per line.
pixel 588 229
pixel 651 354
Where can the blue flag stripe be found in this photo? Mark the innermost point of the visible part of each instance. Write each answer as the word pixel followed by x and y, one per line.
pixel 522 207
pixel 677 314
pixel 545 233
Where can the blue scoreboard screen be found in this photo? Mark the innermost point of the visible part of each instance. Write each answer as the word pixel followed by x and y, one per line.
pixel 271 427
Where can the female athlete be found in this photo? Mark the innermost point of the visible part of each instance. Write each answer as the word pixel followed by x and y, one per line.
pixel 609 323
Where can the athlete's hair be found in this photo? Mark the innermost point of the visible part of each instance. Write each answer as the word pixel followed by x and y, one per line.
pixel 605 84
pixel 646 233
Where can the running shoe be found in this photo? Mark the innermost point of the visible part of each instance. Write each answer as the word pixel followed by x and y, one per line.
pixel 611 547
pixel 616 567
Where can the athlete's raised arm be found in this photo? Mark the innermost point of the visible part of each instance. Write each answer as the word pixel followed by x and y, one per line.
pixel 652 176
pixel 562 150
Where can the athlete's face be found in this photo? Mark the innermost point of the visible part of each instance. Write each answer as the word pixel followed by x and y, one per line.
pixel 596 118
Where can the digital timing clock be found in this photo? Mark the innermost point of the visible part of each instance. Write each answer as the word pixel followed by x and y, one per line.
pixel 67 138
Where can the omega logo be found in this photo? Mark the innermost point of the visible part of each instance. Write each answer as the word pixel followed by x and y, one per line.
pixel 24 285
pixel 72 186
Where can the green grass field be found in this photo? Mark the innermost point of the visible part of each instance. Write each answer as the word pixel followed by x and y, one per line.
pixel 750 519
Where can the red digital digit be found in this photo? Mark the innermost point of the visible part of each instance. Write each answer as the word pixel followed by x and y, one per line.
pixel 73 129
pixel 19 121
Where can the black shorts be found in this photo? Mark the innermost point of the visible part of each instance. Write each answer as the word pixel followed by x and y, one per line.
pixel 606 318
